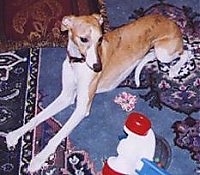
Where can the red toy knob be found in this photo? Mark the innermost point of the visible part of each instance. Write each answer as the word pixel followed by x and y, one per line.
pixel 138 123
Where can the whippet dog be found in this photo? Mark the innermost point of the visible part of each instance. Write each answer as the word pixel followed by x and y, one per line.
pixel 97 63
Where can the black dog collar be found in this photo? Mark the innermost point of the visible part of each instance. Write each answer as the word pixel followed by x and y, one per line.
pixel 73 59
pixel 76 59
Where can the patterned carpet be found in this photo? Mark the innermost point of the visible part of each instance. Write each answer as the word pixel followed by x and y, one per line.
pixel 18 86
pixel 30 80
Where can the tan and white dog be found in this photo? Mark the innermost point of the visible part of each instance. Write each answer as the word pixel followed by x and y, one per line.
pixel 97 63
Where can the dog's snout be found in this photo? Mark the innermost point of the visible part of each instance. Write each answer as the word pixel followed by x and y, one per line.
pixel 97 67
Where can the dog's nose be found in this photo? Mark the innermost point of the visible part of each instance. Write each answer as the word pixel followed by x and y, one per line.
pixel 97 67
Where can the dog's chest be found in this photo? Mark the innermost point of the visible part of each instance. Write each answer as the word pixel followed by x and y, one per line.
pixel 112 78
pixel 82 73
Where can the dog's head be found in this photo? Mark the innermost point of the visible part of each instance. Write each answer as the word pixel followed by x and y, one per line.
pixel 85 32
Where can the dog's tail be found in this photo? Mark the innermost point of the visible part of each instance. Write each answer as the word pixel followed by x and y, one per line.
pixel 150 56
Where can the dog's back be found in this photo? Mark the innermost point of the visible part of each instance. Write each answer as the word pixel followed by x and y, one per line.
pixel 141 34
pixel 124 47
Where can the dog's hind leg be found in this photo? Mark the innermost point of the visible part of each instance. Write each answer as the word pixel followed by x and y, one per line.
pixel 66 98
pixel 169 49
pixel 147 58
pixel 84 99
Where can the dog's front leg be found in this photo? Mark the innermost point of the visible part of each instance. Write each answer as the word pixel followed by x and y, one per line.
pixel 62 101
pixel 83 104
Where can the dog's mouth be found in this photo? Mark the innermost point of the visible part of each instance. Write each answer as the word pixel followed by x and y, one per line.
pixel 96 67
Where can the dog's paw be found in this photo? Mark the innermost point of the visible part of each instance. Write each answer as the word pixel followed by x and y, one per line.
pixel 11 140
pixel 173 73
pixel 35 165
pixel 38 162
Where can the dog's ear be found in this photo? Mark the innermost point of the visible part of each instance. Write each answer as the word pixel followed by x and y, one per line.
pixel 98 17
pixel 67 23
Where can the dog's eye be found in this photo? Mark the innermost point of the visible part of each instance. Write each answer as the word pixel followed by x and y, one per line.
pixel 84 40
